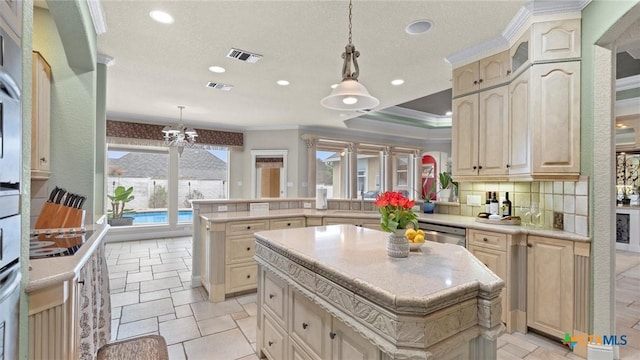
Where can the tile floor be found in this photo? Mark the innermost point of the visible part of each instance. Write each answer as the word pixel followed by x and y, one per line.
pixel 151 293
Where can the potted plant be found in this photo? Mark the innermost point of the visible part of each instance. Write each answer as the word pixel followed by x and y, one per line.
pixel 396 216
pixel 445 182
pixel 427 205
pixel 121 196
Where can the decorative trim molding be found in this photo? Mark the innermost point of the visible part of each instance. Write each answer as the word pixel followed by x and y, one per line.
pixel 105 59
pixel 97 15
pixel 627 83
pixel 477 51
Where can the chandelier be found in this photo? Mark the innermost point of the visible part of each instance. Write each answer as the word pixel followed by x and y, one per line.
pixel 350 94
pixel 179 135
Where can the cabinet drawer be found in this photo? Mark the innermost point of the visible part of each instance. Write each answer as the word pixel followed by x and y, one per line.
pixel 489 240
pixel 274 297
pixel 309 326
pixel 286 223
pixel 240 277
pixel 273 340
pixel 246 227
pixel 239 249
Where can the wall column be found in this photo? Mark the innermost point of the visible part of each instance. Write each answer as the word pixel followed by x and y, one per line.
pixel 99 182
pixel 311 166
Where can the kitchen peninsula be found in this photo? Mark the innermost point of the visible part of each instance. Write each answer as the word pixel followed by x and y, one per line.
pixel 332 292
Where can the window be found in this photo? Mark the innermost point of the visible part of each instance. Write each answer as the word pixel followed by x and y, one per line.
pixel 200 174
pixel 329 171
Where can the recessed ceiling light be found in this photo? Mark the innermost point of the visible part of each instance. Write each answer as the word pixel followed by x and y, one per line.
pixel 161 17
pixel 448 113
pixel 282 82
pixel 419 27
pixel 397 82
pixel 334 86
pixel 217 69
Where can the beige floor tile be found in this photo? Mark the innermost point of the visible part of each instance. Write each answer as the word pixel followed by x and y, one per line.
pixel 125 298
pixel 116 312
pixel 505 355
pixel 134 286
pixel 183 311
pixel 116 275
pixel 146 310
pixel 137 254
pixel 249 326
pixel 251 309
pixel 141 276
pixel 114 329
pixel 117 283
pixel 128 261
pixel 149 262
pixel 124 267
pixel 167 317
pixel 629 353
pixel 175 254
pixel 179 330
pixel 154 295
pixel 206 310
pixel 160 284
pixel 216 325
pixel 515 350
pixel 555 346
pixel 518 340
pixel 165 274
pixel 226 345
pixel 542 353
pixel 176 352
pixel 137 328
pixel 250 357
pixel 246 299
pixel 174 260
pixel 186 297
pixel 167 267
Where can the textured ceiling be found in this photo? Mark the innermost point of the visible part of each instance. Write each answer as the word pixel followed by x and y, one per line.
pixel 158 67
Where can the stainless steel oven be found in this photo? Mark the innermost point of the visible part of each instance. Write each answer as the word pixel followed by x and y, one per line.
pixel 9 310
pixel 10 112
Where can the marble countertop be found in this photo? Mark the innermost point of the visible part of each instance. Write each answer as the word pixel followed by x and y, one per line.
pixel 356 258
pixel 46 272
pixel 440 219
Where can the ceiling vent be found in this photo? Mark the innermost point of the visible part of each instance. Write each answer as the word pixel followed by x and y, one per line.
pixel 244 56
pixel 219 86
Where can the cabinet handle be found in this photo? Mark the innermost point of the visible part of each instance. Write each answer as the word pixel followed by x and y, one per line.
pixel 479 167
pixel 288 224
pixel 248 227
pixel 305 325
pixel 475 167
pixel 43 159
pixel 530 245
pixel 271 296
pixel 480 81
pixel 81 282
pixel 270 343
pixel 248 249
pixel 508 166
pixel 485 239
pixel 475 82
pixel 332 335
pixel 248 276
pixel 508 72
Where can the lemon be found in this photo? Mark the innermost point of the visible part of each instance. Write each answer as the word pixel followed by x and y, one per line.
pixel 420 232
pixel 418 238
pixel 410 233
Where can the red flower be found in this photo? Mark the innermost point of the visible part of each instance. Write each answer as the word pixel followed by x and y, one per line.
pixel 396 211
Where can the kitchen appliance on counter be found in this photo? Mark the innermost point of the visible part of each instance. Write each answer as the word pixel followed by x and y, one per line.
pixel 57 242
pixel 444 233
pixel 10 175
pixel 321 199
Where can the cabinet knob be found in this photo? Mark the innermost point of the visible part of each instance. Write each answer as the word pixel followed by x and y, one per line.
pixel 332 335
pixel 43 159
pixel 475 167
pixel 485 239
pixel 508 166
pixel 248 248
pixel 248 276
pixel 270 343
pixel 81 282
pixel 248 227
pixel 271 296
pixel 479 167
pixel 508 72
pixel 305 325
pixel 529 245
pixel 480 81
pixel 475 82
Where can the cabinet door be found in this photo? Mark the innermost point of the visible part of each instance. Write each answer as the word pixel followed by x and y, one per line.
pixel 555 110
pixel 465 79
pixel 347 344
pixel 556 40
pixel 519 129
pixel 240 277
pixel 274 340
pixel 239 249
pixel 493 147
pixel 309 326
pixel 494 70
pixel 550 285
pixel 286 223
pixel 464 136
pixel 520 54
pixel 40 118
pixel 496 261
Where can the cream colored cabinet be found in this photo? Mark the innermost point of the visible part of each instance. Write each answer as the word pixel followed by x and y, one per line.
pixel 555 115
pixel 555 40
pixel 274 338
pixel 11 12
pixel 550 286
pixel 520 54
pixel 291 223
pixel 347 344
pixel 480 134
pixel 368 223
pixel 309 326
pixel 520 131
pixel 503 254
pixel 40 118
pixel 491 71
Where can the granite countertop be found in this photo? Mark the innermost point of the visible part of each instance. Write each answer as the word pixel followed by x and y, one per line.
pixel 425 279
pixel 467 222
pixel 46 272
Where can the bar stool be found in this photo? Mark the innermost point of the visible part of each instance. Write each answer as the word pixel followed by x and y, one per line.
pixel 150 347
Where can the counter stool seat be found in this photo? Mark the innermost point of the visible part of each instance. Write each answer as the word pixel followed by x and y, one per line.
pixel 150 347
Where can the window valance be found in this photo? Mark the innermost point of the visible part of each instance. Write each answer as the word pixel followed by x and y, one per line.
pixel 131 133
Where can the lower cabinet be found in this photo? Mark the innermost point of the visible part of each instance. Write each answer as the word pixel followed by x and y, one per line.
pixel 291 326
pixel 360 222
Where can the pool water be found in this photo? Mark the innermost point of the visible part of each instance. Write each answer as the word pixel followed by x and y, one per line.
pixel 159 217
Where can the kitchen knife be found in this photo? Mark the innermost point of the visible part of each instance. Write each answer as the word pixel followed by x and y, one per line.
pixel 48 217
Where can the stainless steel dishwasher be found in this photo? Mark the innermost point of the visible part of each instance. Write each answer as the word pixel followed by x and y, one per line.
pixel 444 233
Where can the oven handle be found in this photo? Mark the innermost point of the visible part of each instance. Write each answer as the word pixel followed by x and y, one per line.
pixel 9 281
pixel 9 86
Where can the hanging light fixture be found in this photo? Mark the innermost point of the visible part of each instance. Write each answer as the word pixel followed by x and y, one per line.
pixel 350 94
pixel 179 135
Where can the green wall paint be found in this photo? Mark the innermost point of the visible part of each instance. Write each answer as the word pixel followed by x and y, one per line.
pixel 628 94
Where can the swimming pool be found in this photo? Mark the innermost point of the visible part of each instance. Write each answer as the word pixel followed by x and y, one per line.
pixel 159 217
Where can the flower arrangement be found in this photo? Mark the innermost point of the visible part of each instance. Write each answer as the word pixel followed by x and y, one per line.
pixel 396 211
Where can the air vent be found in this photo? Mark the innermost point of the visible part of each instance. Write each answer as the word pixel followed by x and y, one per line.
pixel 219 86
pixel 245 56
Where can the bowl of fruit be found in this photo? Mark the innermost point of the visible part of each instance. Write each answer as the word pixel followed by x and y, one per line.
pixel 416 239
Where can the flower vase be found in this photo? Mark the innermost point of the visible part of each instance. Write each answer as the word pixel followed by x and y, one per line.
pixel 398 244
pixel 428 207
pixel 445 195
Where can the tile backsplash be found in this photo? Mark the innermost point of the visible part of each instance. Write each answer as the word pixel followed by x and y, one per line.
pixel 570 198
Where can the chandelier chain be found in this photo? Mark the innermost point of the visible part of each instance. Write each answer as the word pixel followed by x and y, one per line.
pixel 350 7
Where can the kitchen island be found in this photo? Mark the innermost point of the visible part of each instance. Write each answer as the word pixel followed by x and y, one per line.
pixel 331 292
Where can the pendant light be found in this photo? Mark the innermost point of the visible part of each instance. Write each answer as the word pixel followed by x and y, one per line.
pixel 350 94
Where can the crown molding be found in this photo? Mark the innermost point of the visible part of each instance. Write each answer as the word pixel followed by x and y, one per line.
pixel 105 59
pixel 627 83
pixel 477 51
pixel 97 15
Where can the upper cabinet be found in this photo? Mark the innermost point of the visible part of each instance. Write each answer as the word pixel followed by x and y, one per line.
pixel 40 118
pixel 11 13
pixel 486 73
pixel 528 129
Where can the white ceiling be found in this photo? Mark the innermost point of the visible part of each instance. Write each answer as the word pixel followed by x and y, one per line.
pixel 158 67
